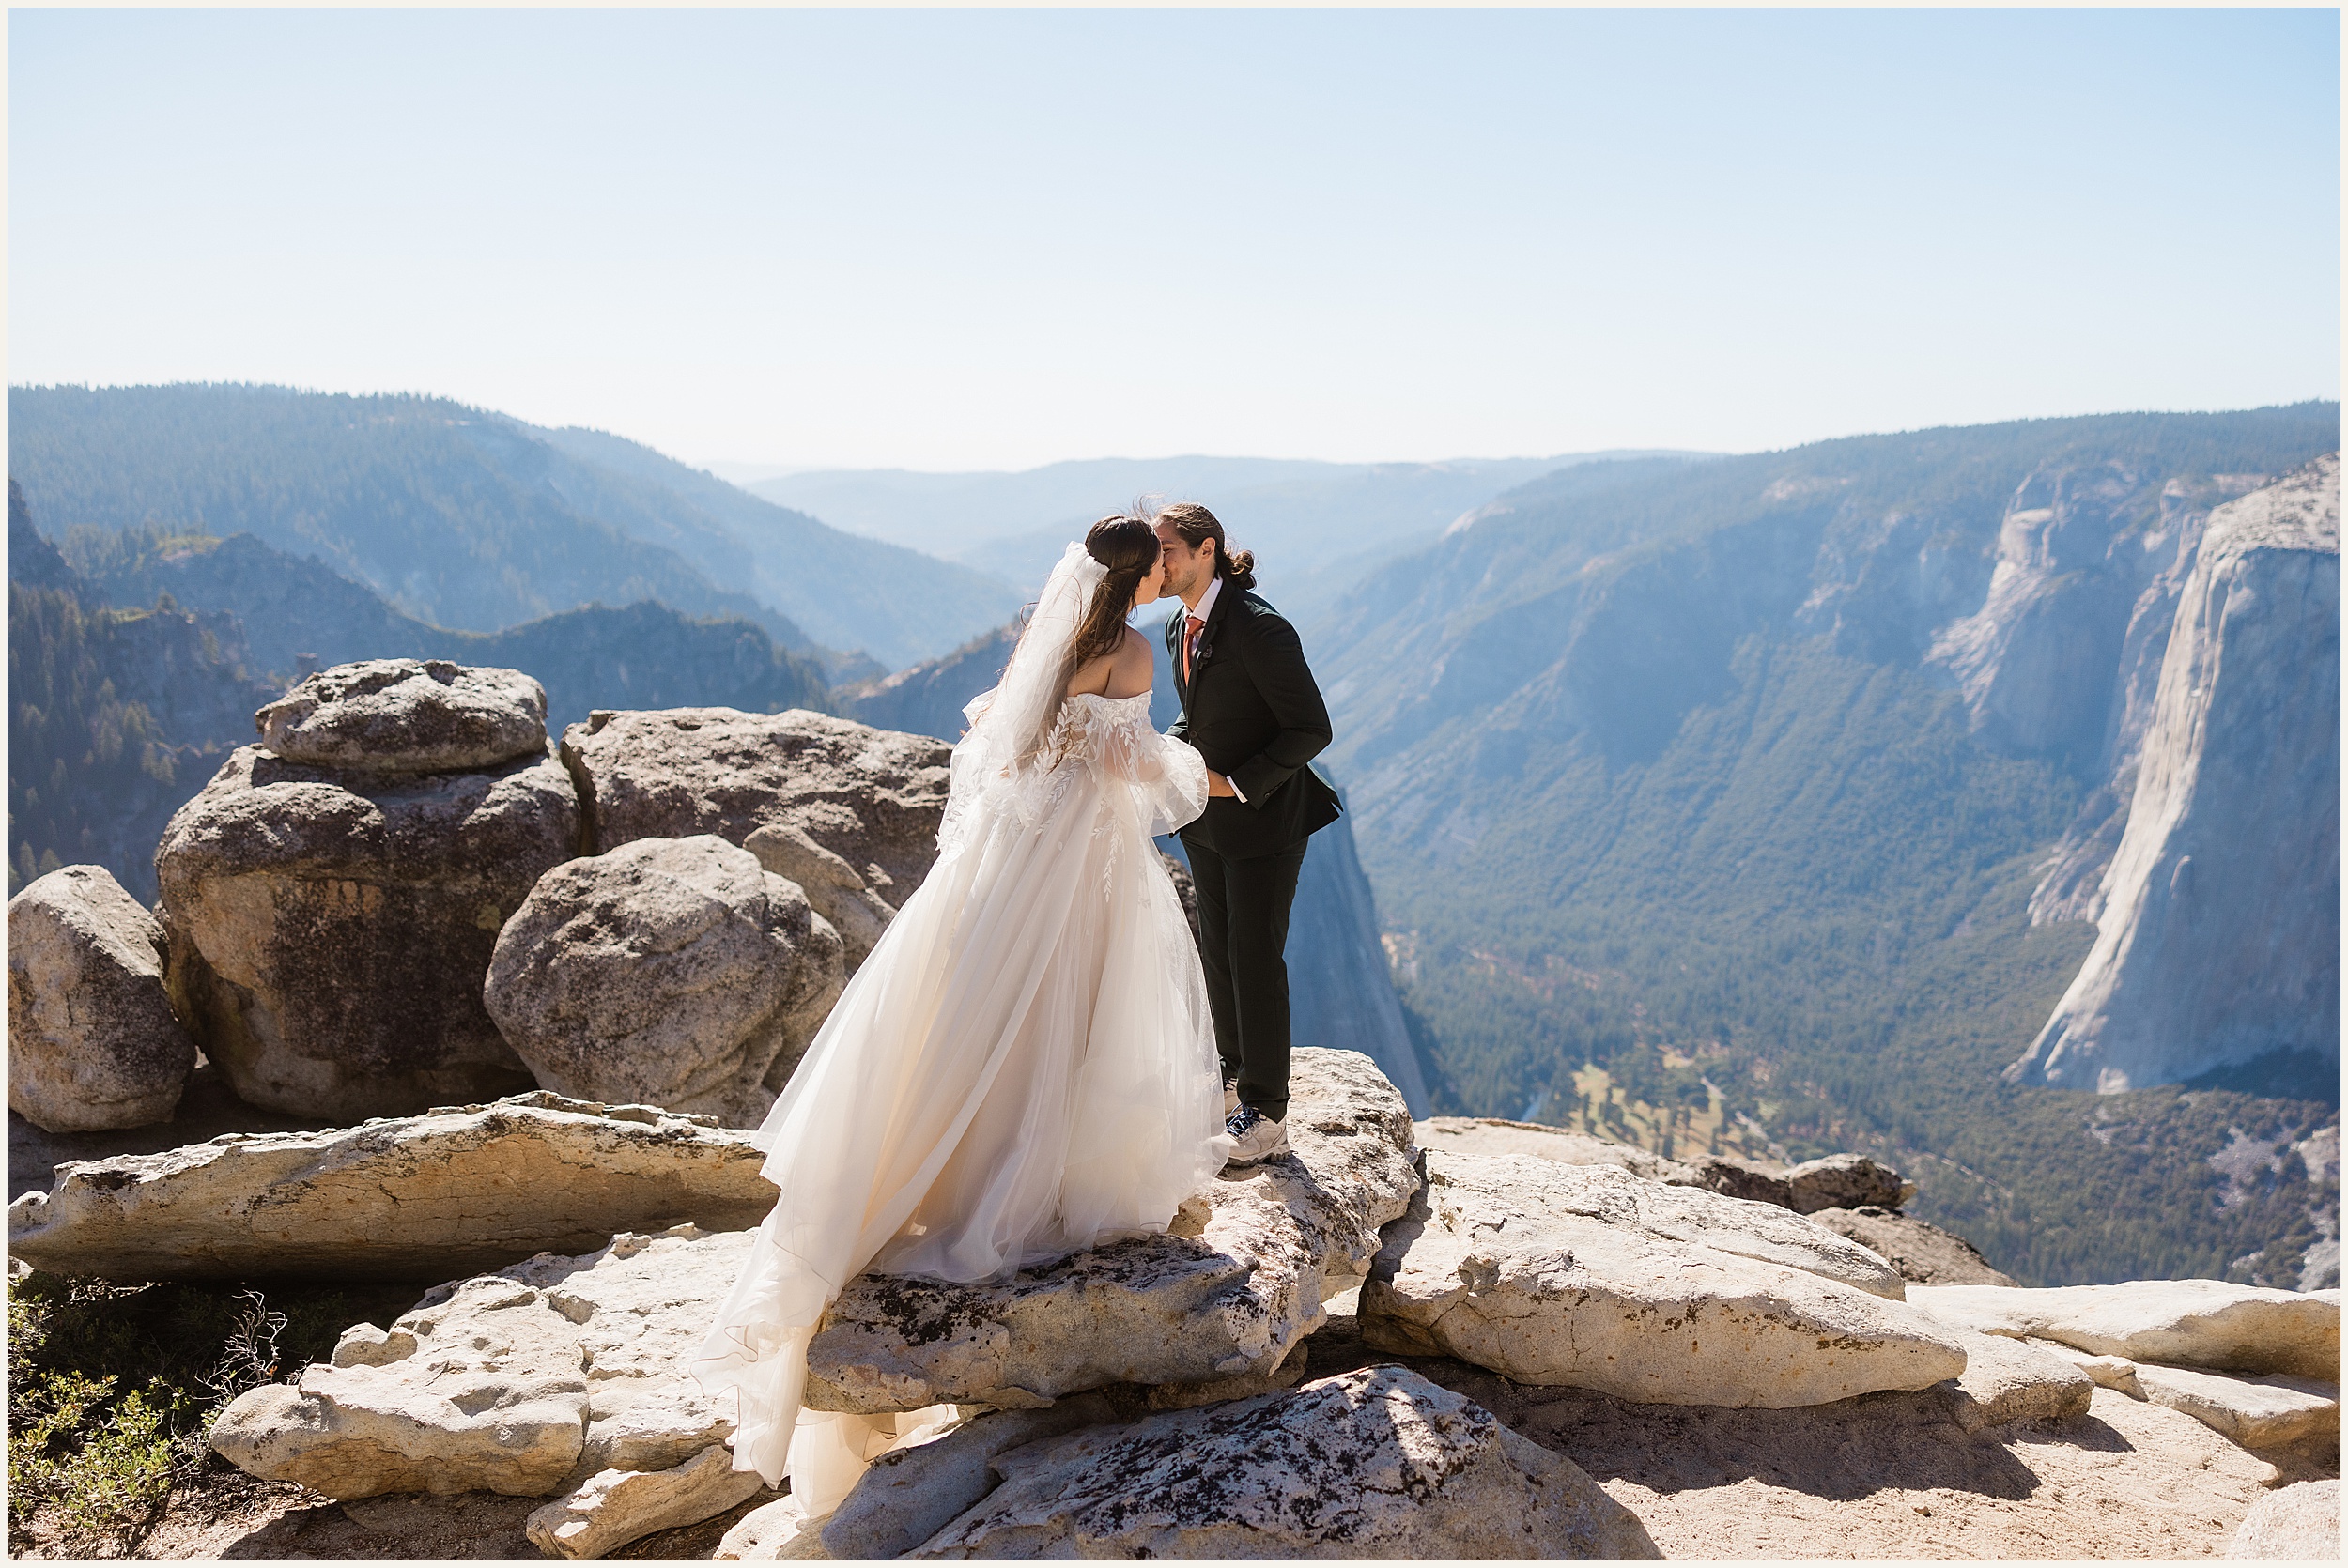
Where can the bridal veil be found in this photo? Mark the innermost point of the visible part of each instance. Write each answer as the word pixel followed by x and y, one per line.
pixel 1022 1068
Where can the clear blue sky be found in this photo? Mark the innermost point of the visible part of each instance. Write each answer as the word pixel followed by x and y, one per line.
pixel 987 239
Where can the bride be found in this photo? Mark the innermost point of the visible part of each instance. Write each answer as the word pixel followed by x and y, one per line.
pixel 1024 1066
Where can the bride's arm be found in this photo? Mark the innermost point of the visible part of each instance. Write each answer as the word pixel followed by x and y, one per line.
pixel 1168 774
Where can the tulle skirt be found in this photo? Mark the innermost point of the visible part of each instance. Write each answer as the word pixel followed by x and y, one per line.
pixel 1022 1068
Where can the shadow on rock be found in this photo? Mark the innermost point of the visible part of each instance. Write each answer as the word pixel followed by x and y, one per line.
pixel 1840 1452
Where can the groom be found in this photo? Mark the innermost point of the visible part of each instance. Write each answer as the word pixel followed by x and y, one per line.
pixel 1251 709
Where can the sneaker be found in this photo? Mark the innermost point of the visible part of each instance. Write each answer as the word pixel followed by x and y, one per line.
pixel 1256 1135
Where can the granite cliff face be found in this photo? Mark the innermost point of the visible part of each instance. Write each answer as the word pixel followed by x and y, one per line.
pixel 2035 569
pixel 2220 930
pixel 1750 769
pixel 926 698
pixel 2063 656
pixel 1342 994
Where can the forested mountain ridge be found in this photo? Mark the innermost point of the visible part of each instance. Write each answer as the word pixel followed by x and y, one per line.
pixel 130 681
pixel 1687 776
pixel 294 615
pixel 448 511
pixel 465 519
pixel 114 716
pixel 1872 542
pixel 846 590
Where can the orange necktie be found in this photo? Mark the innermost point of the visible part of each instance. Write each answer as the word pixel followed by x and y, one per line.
pixel 1191 628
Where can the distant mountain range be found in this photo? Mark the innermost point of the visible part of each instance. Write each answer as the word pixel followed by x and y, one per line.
pixel 467 519
pixel 114 717
pixel 1315 527
pixel 1785 786
pixel 1752 766
pixel 294 615
pixel 136 665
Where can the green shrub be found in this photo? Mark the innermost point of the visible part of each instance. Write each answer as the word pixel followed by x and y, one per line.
pixel 113 1388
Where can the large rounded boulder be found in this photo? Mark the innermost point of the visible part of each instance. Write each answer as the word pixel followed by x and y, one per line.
pixel 92 1043
pixel 670 971
pixel 333 911
pixel 848 812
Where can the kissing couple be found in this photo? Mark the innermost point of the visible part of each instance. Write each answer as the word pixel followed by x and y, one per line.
pixel 1026 1064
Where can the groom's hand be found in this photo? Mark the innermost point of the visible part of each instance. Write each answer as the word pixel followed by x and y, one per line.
pixel 1218 785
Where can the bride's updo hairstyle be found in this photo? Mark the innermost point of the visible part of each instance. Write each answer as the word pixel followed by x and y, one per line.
pixel 1197 525
pixel 1128 547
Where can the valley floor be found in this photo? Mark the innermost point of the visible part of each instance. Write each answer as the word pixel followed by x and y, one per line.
pixel 1883 1476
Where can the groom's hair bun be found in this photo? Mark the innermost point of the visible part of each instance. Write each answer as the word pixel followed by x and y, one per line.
pixel 1197 525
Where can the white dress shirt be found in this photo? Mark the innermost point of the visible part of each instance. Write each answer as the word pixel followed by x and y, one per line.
pixel 1206 604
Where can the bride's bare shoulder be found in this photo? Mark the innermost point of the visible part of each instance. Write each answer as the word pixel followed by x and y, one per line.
pixel 1132 670
pixel 1125 670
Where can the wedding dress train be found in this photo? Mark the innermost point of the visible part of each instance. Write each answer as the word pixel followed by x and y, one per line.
pixel 1022 1068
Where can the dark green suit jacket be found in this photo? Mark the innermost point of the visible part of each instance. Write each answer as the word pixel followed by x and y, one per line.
pixel 1253 711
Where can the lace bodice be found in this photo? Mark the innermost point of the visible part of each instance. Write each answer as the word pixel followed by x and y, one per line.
pixel 1153 781
pixel 1099 731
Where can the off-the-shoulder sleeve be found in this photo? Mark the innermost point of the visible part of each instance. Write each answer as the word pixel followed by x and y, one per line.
pixel 1168 777
pixel 976 705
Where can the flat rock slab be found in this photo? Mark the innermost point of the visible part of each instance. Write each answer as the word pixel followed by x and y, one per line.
pixel 616 1507
pixel 408 1197
pixel 2194 1323
pixel 1893 1475
pixel 910 1494
pixel 2267 1413
pixel 1378 1463
pixel 408 716
pixel 2298 1523
pixel 1495 1135
pixel 1924 1254
pixel 1590 1278
pixel 1228 1295
pixel 778 1531
pixel 2105 1372
pixel 207 1108
pixel 526 1381
pixel 2006 1380
pixel 92 1044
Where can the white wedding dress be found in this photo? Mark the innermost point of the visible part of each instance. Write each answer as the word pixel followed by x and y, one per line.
pixel 1022 1068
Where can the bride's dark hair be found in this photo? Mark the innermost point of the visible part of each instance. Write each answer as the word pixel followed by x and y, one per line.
pixel 1128 547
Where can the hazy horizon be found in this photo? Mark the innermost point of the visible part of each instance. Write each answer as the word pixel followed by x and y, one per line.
pixel 742 471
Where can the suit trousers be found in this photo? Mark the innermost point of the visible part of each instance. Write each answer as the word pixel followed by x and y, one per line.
pixel 1243 946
